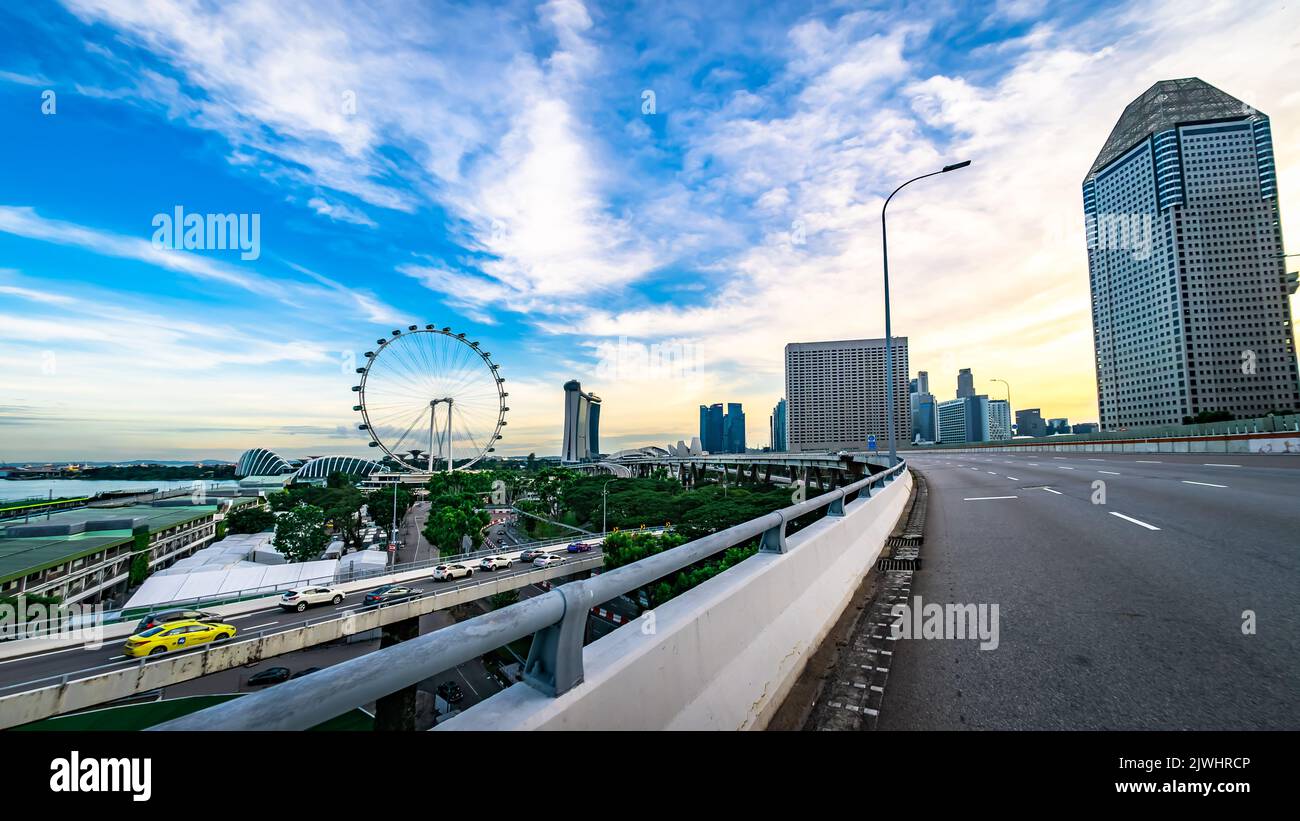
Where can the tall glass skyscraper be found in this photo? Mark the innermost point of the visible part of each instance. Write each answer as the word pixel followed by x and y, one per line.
pixel 711 428
pixel 778 432
pixel 1190 305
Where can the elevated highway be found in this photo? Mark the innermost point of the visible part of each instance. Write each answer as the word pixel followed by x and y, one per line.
pixel 43 681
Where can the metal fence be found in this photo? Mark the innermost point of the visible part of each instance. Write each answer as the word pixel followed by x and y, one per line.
pixel 555 620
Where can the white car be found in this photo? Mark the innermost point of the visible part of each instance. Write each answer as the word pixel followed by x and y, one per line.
pixel 548 561
pixel 305 597
pixel 495 562
pixel 447 572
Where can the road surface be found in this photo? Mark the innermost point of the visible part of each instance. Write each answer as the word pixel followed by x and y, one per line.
pixel 1122 615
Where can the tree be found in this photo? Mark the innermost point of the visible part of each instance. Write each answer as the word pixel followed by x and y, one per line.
pixel 250 519
pixel 300 533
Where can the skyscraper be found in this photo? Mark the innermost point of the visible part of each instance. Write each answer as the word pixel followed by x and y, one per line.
pixel 965 383
pixel 964 419
pixel 1190 307
pixel 711 428
pixel 778 431
pixel 999 420
pixel 836 394
pixel 923 409
pixel 581 423
pixel 733 428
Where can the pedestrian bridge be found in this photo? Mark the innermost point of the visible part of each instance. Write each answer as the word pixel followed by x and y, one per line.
pixel 723 655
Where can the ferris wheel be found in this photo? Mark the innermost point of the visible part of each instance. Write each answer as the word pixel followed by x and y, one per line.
pixel 429 396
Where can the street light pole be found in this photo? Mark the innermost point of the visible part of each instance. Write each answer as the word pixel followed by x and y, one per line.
pixel 889 336
pixel 604 507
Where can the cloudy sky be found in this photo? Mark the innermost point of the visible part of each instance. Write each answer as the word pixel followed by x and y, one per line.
pixel 651 198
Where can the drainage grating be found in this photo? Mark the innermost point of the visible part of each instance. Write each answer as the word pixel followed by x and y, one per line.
pixel 852 696
pixel 909 565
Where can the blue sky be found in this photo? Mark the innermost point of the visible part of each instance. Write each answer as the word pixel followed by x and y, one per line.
pixel 497 169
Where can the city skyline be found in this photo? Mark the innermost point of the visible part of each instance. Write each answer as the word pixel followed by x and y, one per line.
pixel 571 218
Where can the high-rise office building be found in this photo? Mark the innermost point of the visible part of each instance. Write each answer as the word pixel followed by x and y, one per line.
pixel 964 419
pixel 777 427
pixel 581 423
pixel 965 383
pixel 733 428
pixel 1029 422
pixel 999 420
pixel 836 394
pixel 1190 306
pixel 711 426
pixel 922 406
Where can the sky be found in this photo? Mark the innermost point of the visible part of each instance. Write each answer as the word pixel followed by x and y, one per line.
pixel 652 198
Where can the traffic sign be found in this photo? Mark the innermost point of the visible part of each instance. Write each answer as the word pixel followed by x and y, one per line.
pixel 871 442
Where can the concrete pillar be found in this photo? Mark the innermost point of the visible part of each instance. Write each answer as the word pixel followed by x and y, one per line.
pixel 396 711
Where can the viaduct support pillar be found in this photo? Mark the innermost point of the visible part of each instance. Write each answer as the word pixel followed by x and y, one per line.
pixel 396 711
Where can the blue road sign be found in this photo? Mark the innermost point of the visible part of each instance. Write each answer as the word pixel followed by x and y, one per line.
pixel 871 443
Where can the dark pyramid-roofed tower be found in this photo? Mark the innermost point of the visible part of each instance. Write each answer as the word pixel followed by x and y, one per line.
pixel 1165 105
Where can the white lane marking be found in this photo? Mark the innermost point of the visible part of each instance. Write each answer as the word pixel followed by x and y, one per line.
pixel 1063 467
pixel 260 626
pixel 1058 457
pixel 35 656
pixel 987 498
pixel 1108 472
pixel 1012 478
pixel 1213 465
pixel 1057 492
pixel 1149 462
pixel 1096 460
pixel 991 473
pixel 1202 484
pixel 1138 522
pixel 1033 464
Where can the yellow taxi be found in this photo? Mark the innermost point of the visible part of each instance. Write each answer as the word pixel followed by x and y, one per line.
pixel 176 635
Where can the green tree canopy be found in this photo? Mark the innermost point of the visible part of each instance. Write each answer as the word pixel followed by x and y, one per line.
pixel 300 533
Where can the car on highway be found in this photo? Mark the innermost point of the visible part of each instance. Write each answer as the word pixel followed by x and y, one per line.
pixel 548 560
pixel 451 692
pixel 579 547
pixel 271 675
pixel 176 635
pixel 447 572
pixel 495 562
pixel 391 592
pixel 164 616
pixel 305 597
pixel 532 554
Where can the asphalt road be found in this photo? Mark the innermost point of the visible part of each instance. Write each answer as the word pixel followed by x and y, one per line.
pixel 1122 615
pixel 273 619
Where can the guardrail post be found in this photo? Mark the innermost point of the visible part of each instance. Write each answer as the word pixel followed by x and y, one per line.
pixel 836 507
pixel 773 539
pixel 554 663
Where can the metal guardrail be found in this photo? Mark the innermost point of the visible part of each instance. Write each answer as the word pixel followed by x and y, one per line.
pixel 555 620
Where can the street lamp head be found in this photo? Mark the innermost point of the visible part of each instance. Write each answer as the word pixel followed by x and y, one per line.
pixel 955 166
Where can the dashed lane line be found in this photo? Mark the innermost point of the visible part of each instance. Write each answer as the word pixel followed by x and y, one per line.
pixel 1137 522
pixel 1202 484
